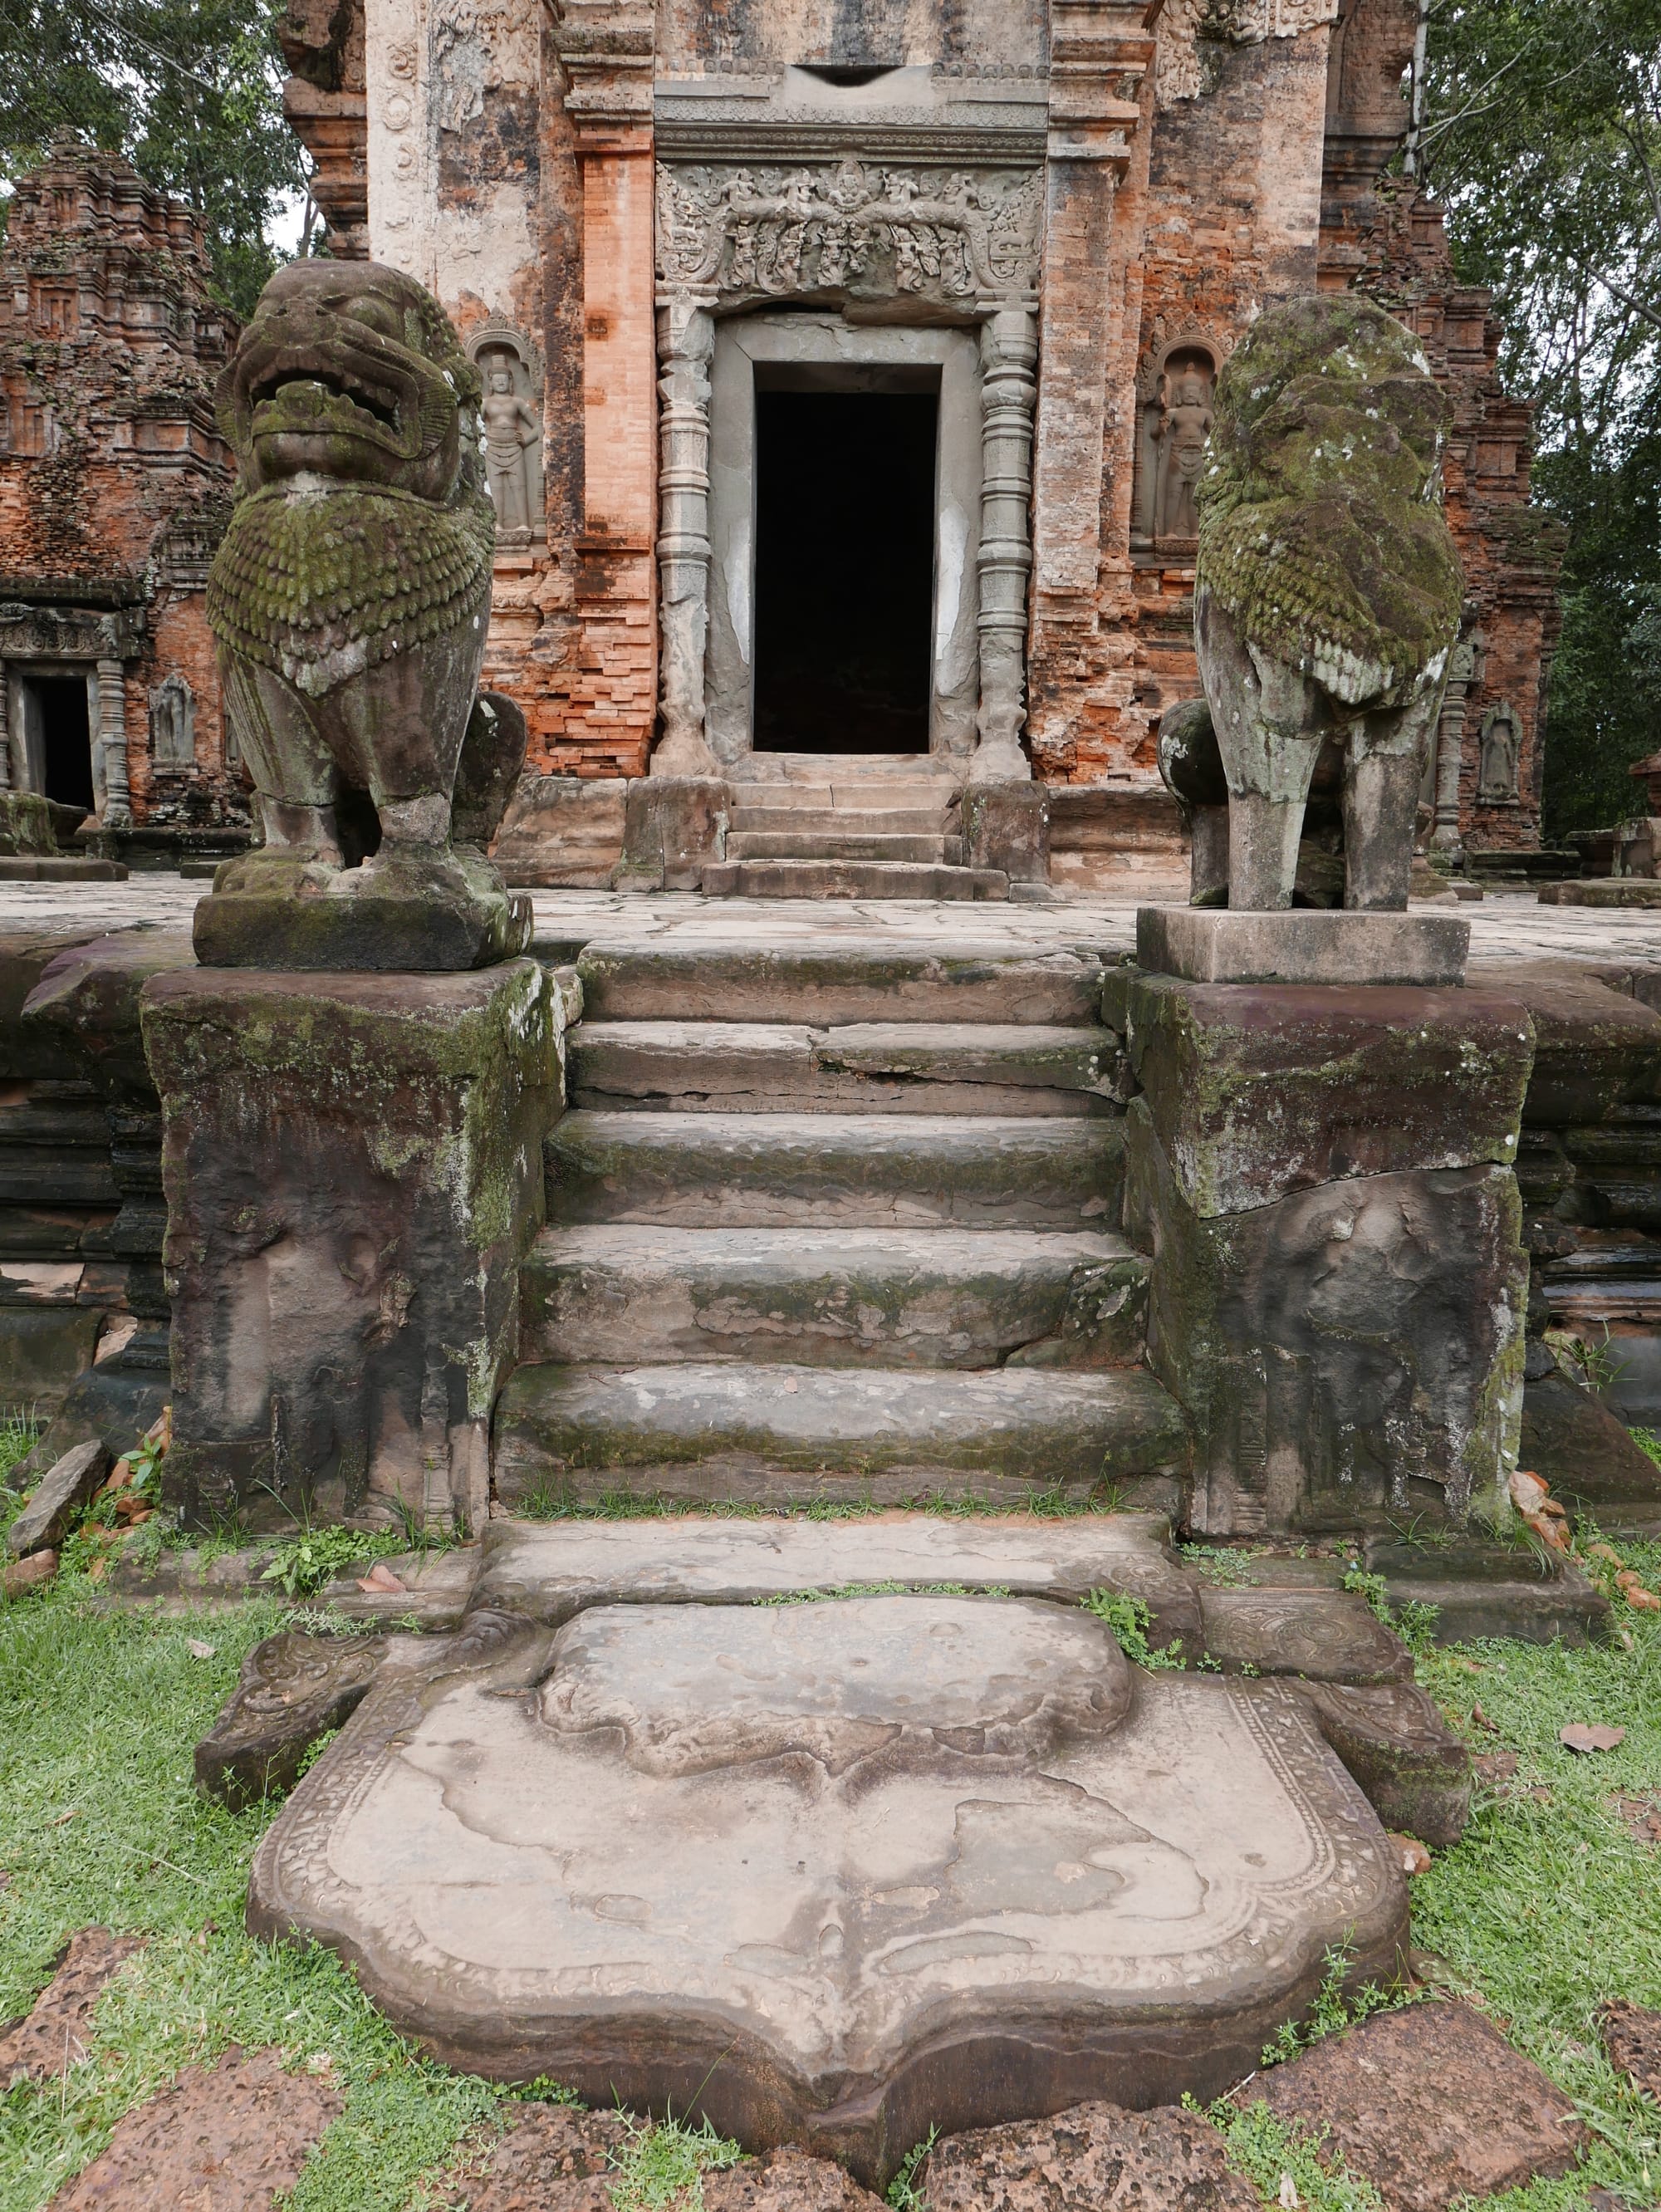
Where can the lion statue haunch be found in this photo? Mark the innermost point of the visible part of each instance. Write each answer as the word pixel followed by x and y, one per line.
pixel 348 603
pixel 1327 588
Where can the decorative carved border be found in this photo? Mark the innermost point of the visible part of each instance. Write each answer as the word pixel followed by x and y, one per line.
pixel 775 232
pixel 497 332
pixel 1162 342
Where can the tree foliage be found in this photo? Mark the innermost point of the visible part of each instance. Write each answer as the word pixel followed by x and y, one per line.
pixel 188 90
pixel 1541 132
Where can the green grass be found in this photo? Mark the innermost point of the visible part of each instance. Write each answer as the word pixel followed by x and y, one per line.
pixel 1545 1910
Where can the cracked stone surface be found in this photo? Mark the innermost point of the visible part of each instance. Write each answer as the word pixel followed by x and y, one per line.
pixel 832 1871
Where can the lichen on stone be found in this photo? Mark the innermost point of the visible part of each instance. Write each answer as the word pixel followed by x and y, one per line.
pixel 1321 528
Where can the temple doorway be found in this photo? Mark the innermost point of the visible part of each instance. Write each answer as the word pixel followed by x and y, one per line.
pixel 57 738
pixel 845 570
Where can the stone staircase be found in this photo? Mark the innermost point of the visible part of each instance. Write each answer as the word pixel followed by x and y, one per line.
pixel 836 1222
pixel 863 825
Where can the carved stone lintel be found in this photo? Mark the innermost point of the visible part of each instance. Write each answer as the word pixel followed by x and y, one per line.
pixel 686 344
pixel 954 235
pixel 1008 356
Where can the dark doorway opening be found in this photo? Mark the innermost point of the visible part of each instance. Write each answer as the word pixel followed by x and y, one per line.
pixel 845 503
pixel 65 738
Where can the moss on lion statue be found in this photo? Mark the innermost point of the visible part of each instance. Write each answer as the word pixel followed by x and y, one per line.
pixel 1327 588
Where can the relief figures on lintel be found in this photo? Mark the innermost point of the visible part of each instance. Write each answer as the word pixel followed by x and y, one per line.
pixel 848 227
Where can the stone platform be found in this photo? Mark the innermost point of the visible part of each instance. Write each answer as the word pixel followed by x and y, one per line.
pixel 682 1814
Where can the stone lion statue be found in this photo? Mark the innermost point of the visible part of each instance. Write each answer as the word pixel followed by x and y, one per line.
pixel 348 603
pixel 1327 589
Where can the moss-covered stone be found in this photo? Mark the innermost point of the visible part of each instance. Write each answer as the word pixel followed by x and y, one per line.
pixel 1321 530
pixel 1345 1353
pixel 353 1172
pixel 1260 1089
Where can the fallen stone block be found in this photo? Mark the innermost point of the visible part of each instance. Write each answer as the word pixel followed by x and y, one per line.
pixel 54 2034
pixel 30 1574
pixel 1430 2103
pixel 293 1689
pixel 66 1486
pixel 235 2136
pixel 1414 1772
pixel 1093 2158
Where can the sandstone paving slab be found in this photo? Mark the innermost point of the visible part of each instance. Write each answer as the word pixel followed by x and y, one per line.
pixel 236 2137
pixel 830 1872
pixel 1329 1636
pixel 780 1434
pixel 548 1573
pixel 55 2032
pixel 758 979
pixel 932 1297
pixel 1092 2158
pixel 1481 1588
pixel 1430 2103
pixel 871 1067
pixel 848 1170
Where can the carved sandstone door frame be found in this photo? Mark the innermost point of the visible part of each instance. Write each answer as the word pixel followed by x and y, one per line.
pixel 875 359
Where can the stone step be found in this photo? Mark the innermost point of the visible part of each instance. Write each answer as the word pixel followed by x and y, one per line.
pixel 874 1067
pixel 874 879
pixel 788 1435
pixel 843 768
pixel 796 843
pixel 848 982
pixel 776 799
pixel 833 1298
pixel 836 1171
pixel 828 821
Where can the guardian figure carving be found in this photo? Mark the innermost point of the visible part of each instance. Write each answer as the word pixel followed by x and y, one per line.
pixel 1327 588
pixel 348 602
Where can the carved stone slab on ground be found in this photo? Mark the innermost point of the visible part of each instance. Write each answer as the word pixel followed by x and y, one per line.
pixel 1430 2103
pixel 1328 1636
pixel 830 1872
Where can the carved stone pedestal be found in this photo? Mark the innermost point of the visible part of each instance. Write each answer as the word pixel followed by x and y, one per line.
pixel 353 1166
pixel 1303 945
pixel 1324 1178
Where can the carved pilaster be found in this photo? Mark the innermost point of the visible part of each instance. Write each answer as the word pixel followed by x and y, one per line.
pixel 5 732
pixel 686 342
pixel 113 744
pixel 1463 665
pixel 1009 352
